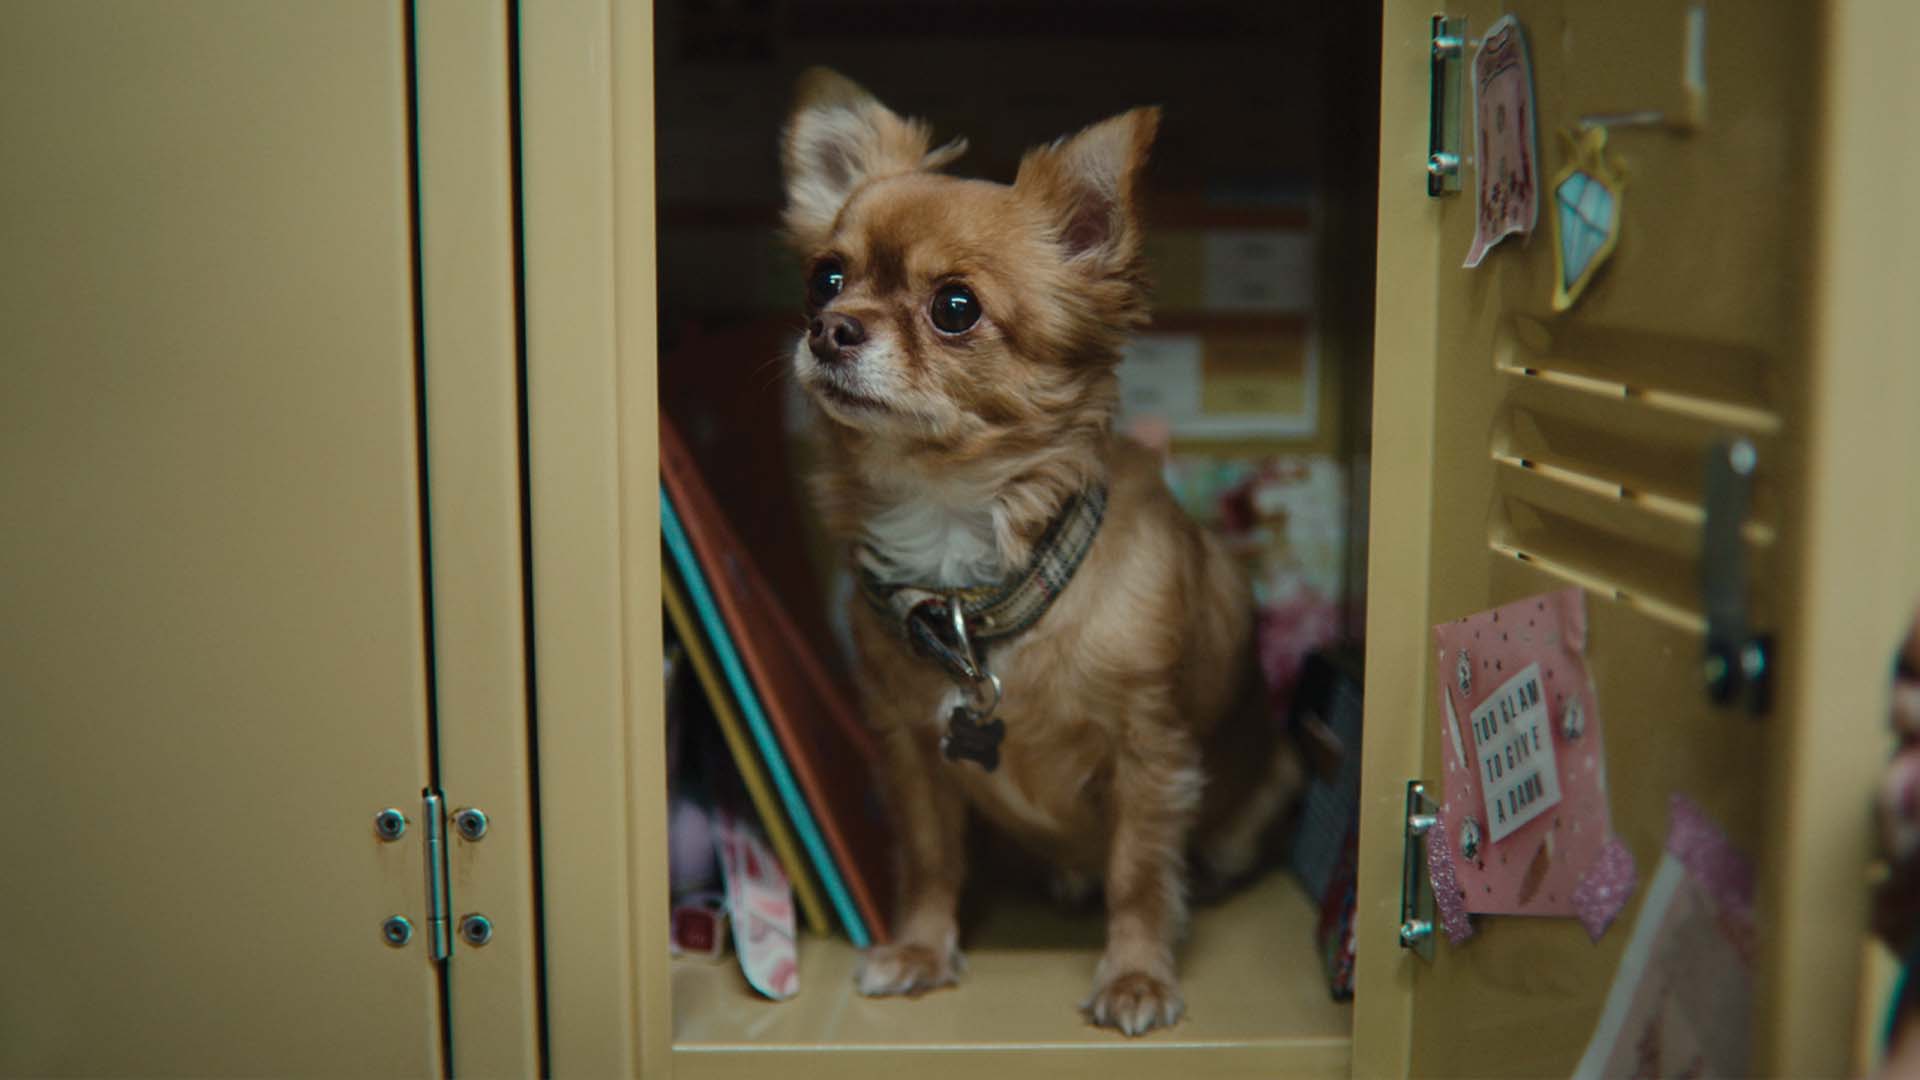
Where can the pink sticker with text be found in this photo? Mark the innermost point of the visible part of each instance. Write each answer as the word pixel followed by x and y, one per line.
pixel 1525 828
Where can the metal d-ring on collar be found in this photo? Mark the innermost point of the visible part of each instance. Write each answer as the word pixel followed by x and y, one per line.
pixel 973 734
pixel 982 687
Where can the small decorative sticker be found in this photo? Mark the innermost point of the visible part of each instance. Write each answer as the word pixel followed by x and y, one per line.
pixel 1586 215
pixel 1508 164
pixel 1573 719
pixel 1470 840
pixel 1460 760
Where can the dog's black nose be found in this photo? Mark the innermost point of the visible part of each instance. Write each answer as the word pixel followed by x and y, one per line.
pixel 831 334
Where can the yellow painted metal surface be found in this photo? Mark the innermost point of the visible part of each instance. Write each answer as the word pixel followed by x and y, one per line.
pixel 1520 451
pixel 212 669
pixel 1398 683
pixel 587 160
pixel 469 319
pixel 1860 540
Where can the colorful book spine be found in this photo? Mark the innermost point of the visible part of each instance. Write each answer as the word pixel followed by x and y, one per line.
pixel 812 908
pixel 680 549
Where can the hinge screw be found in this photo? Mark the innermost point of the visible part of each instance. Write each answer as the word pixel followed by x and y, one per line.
pixel 397 930
pixel 1413 931
pixel 471 822
pixel 476 930
pixel 390 824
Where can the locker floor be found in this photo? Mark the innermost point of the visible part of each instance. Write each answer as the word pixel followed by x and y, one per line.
pixel 1255 997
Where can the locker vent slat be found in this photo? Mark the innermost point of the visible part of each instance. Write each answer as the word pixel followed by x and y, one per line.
pixel 1597 453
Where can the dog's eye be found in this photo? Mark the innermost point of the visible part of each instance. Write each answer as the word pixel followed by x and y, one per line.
pixel 824 283
pixel 955 309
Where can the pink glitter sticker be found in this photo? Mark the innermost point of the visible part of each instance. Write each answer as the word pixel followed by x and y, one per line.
pixel 1446 890
pixel 1605 888
pixel 1725 875
pixel 1703 849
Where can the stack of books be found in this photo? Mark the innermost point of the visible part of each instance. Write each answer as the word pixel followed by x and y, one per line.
pixel 792 731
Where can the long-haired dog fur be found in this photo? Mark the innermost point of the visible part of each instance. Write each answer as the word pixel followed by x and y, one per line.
pixel 961 352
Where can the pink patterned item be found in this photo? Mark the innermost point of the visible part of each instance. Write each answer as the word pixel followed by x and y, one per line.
pixel 1284 633
pixel 1507 162
pixel 1717 868
pixel 1681 1003
pixel 760 903
pixel 1527 829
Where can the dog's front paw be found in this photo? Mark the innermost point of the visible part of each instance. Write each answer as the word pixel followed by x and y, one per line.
pixel 1135 1003
pixel 907 968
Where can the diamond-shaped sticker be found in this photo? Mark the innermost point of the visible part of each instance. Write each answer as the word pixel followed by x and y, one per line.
pixel 1586 217
pixel 1586 222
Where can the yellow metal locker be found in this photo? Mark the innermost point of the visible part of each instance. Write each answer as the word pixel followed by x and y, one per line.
pixel 269 269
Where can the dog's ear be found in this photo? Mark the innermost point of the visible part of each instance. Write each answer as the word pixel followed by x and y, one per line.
pixel 1087 184
pixel 840 137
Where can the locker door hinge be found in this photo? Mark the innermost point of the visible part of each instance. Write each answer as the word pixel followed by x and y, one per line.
pixel 439 918
pixel 472 825
pixel 1416 889
pixel 1446 58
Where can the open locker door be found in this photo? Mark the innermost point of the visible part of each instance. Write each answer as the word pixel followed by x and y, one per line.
pixel 1520 450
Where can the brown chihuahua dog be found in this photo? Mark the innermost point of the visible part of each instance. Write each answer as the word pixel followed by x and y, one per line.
pixel 1044 635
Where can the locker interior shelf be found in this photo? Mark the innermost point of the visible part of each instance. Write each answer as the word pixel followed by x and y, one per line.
pixel 1256 1000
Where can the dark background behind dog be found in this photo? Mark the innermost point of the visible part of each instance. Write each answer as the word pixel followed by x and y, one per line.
pixel 1270 118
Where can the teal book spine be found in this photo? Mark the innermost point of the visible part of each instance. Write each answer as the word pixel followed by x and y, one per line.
pixel 791 797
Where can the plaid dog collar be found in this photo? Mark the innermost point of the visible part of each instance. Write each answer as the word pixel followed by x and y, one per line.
pixel 928 618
